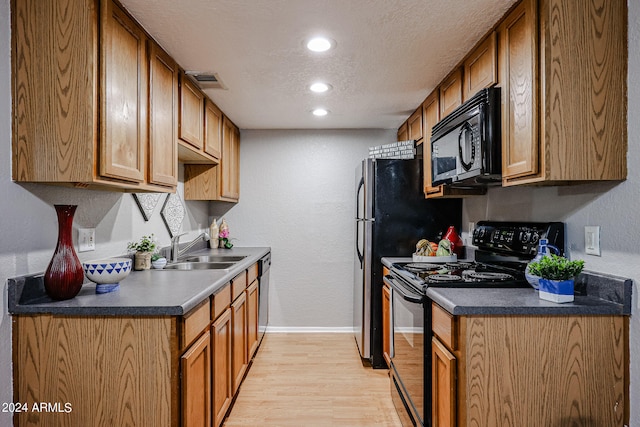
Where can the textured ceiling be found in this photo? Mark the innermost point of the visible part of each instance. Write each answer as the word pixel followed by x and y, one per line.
pixel 389 54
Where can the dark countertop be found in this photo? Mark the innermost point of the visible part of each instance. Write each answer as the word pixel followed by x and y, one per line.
pixel 596 294
pixel 142 293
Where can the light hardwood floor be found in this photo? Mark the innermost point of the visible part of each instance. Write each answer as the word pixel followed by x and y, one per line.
pixel 312 380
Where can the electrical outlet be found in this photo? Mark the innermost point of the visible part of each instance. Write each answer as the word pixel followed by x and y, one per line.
pixel 592 240
pixel 86 239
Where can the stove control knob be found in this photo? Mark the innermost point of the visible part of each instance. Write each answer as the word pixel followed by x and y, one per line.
pixel 526 237
pixel 535 237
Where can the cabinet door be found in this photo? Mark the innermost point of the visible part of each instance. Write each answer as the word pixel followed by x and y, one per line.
pixel 221 366
pixel 443 369
pixel 414 126
pixel 518 50
pixel 163 104
pixel 196 383
pixel 252 319
pixel 451 92
pixel 191 113
pixel 212 129
pixel 431 114
pixel 239 340
pixel 386 324
pixel 230 162
pixel 403 132
pixel 481 67
pixel 124 97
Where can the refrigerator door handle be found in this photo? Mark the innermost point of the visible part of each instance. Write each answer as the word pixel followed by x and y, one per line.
pixel 360 187
pixel 360 255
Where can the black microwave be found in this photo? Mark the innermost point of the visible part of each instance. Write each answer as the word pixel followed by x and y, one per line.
pixel 466 145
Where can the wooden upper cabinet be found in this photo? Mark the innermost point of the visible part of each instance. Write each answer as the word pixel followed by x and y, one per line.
pixel 414 126
pixel 403 132
pixel 212 129
pixel 124 96
pixel 229 169
pixel 518 72
pixel 81 99
pixel 451 92
pixel 431 115
pixel 481 67
pixel 163 105
pixel 191 115
pixel 564 88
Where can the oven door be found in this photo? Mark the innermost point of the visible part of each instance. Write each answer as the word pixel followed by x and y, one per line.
pixel 408 360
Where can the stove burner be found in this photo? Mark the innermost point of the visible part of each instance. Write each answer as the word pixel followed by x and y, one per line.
pixel 443 278
pixel 487 276
pixel 417 267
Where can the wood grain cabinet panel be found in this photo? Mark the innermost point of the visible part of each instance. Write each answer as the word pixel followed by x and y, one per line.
pixel 451 92
pixel 191 115
pixel 443 396
pixel 212 129
pixel 163 106
pixel 386 324
pixel 196 384
pixel 403 132
pixel 481 67
pixel 124 96
pixel 229 170
pixel 563 76
pixel 239 361
pixel 414 126
pixel 221 333
pixel 252 319
pixel 519 70
pixel 81 99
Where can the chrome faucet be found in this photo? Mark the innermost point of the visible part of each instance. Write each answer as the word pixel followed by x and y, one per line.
pixel 176 252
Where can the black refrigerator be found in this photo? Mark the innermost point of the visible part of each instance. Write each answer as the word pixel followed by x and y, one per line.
pixel 392 214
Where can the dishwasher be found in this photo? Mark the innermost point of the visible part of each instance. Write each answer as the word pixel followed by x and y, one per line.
pixel 264 265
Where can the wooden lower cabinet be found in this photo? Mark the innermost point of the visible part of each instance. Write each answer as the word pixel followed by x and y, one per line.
pixel 135 370
pixel 196 383
pixel 443 374
pixel 239 360
pixel 530 370
pixel 387 328
pixel 252 319
pixel 221 366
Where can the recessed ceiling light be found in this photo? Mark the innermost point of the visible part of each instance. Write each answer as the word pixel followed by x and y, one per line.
pixel 319 44
pixel 320 112
pixel 319 87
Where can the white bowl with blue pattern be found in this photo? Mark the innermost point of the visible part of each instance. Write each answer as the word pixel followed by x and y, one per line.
pixel 107 273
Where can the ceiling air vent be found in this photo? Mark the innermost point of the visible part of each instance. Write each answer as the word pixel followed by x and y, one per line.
pixel 206 80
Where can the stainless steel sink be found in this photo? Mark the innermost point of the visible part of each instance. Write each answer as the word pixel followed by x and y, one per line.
pixel 215 258
pixel 190 265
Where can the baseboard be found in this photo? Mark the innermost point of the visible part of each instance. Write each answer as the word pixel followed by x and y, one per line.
pixel 309 330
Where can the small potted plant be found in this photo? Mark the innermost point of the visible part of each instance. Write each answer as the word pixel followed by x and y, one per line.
pixel 144 248
pixel 158 261
pixel 557 275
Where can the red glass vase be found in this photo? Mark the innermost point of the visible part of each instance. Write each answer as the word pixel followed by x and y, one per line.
pixel 64 276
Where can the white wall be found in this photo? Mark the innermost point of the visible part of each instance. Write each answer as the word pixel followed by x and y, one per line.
pixel 296 195
pixel 28 223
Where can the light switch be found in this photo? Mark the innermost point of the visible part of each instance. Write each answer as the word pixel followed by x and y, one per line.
pixel 592 240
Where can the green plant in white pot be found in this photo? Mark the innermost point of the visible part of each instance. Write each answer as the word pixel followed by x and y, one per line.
pixel 557 277
pixel 144 248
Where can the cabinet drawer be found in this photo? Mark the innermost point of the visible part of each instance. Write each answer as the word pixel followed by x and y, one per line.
pixel 252 273
pixel 221 301
pixel 238 285
pixel 196 321
pixel 444 326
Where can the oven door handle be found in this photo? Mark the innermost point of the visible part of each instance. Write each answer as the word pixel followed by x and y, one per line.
pixel 404 292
